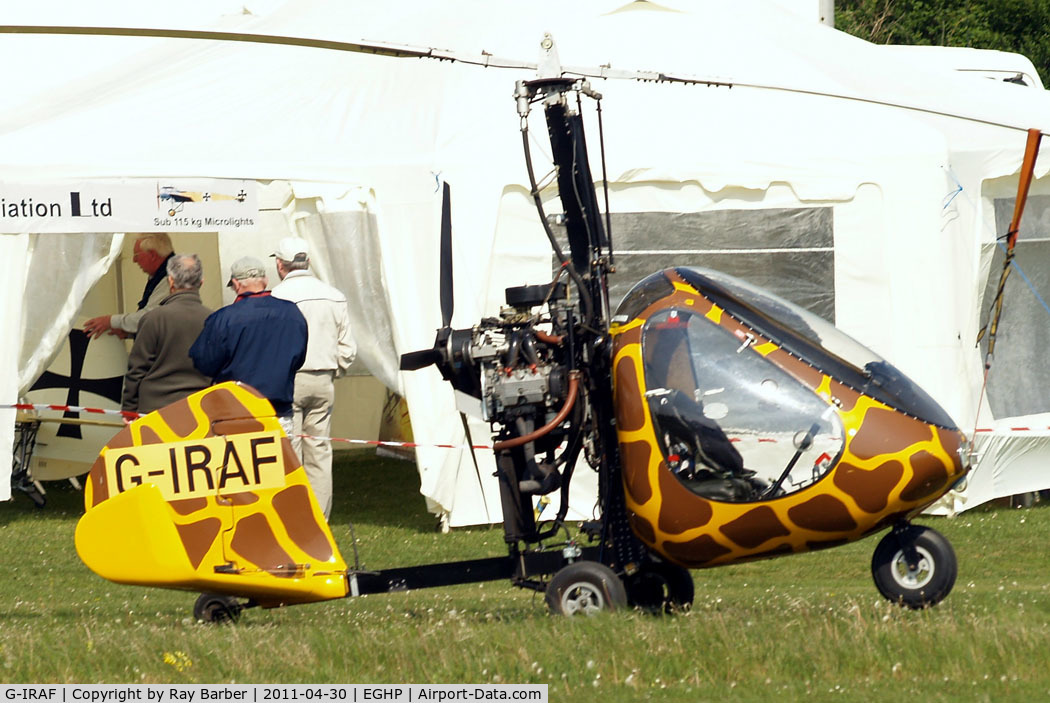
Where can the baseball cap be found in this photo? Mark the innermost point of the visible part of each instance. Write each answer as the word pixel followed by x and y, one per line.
pixel 292 248
pixel 246 267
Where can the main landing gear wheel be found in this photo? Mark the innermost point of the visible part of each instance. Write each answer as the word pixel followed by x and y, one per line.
pixel 585 588
pixel 213 607
pixel 914 566
pixel 660 587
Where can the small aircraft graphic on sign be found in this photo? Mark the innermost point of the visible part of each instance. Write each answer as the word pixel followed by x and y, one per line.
pixel 177 198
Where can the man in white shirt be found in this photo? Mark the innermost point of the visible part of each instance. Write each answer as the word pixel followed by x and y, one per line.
pixel 329 353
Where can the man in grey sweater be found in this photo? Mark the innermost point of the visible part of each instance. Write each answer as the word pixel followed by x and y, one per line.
pixel 160 370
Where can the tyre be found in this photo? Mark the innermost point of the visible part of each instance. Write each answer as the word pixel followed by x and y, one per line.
pixel 660 587
pixel 927 580
pixel 585 588
pixel 213 607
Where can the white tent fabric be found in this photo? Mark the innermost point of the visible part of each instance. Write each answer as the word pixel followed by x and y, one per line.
pixel 48 311
pixel 1011 460
pixel 977 63
pixel 884 155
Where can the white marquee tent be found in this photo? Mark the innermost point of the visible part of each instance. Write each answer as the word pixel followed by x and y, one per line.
pixel 834 171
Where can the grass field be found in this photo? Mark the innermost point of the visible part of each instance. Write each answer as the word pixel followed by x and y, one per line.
pixel 810 626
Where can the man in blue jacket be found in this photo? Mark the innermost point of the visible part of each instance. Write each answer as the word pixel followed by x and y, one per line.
pixel 258 340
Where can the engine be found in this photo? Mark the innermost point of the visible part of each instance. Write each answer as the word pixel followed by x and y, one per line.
pixel 514 364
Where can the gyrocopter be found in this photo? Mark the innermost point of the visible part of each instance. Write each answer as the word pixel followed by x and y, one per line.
pixel 725 425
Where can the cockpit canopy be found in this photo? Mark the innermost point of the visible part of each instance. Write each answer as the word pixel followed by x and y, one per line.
pixel 731 423
pixel 803 334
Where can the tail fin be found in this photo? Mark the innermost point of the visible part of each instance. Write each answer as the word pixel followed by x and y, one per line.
pixel 207 494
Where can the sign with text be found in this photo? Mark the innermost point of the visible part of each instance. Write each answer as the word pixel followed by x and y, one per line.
pixel 129 205
pixel 200 467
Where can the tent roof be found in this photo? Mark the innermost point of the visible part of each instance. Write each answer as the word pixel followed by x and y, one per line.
pixel 261 111
pixel 982 63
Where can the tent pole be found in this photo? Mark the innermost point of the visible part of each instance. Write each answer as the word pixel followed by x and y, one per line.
pixel 827 12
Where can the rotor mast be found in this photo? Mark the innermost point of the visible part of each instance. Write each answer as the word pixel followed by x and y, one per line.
pixel 589 243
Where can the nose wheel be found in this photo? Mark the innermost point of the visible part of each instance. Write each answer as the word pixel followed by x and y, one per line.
pixel 914 566
pixel 659 587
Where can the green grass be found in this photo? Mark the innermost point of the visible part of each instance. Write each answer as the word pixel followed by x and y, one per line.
pixel 810 626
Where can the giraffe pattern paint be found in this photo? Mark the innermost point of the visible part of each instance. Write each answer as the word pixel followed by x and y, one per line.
pixel 272 545
pixel 891 466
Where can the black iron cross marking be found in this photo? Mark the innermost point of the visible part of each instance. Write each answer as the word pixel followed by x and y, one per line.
pixel 105 387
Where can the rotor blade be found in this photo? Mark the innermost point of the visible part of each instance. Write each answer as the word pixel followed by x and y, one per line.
pixel 1031 151
pixel 447 301
pixel 413 361
pixel 484 60
pixel 362 47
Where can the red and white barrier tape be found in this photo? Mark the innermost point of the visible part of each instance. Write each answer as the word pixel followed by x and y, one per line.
pixel 409 445
pixel 1012 429
pixel 72 409
pixel 131 415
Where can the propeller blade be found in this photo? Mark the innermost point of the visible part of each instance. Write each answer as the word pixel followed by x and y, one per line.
pixel 413 361
pixel 474 458
pixel 446 258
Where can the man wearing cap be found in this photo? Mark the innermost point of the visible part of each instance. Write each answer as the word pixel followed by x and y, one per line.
pixel 329 353
pixel 258 339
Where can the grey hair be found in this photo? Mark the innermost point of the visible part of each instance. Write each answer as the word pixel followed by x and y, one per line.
pixel 301 263
pixel 159 242
pixel 186 271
